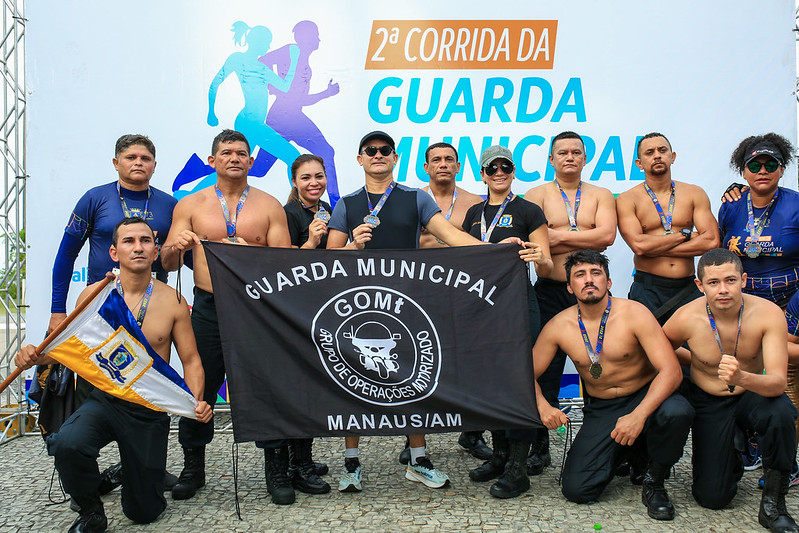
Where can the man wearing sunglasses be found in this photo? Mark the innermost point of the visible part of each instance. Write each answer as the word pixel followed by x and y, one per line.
pixel 667 224
pixel 580 216
pixel 387 215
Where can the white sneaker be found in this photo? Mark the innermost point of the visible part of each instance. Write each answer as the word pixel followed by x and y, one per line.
pixel 424 472
pixel 351 479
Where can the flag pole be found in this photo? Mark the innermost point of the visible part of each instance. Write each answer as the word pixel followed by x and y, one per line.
pixel 109 277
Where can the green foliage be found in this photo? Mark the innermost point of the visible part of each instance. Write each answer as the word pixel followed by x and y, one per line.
pixel 17 252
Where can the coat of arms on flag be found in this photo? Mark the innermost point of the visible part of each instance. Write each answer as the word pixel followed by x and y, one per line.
pixel 105 346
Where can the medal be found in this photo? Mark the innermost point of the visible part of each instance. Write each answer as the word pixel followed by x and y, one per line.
pixel 593 354
pixel 755 227
pixel 230 221
pixel 712 321
pixel 665 218
pixel 574 228
pixel 752 249
pixel 322 215
pixel 372 220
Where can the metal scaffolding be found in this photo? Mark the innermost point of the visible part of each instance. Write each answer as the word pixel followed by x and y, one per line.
pixel 14 411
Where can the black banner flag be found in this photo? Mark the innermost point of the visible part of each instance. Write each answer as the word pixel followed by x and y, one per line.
pixel 388 342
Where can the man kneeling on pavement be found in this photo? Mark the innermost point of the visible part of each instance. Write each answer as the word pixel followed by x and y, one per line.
pixel 141 433
pixel 630 375
pixel 737 352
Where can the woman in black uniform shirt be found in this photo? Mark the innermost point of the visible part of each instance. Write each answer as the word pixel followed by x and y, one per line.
pixel 503 215
pixel 307 215
pixel 306 212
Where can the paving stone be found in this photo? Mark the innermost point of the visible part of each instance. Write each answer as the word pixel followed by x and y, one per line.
pixel 389 502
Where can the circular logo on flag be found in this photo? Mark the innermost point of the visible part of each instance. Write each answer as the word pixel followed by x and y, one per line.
pixel 379 345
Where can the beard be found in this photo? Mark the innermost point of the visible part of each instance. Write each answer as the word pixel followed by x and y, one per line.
pixel 593 298
pixel 660 171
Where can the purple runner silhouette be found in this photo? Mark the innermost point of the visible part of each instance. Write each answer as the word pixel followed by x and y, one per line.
pixel 284 73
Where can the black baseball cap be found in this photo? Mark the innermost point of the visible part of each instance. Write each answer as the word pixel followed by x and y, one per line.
pixel 765 148
pixel 377 134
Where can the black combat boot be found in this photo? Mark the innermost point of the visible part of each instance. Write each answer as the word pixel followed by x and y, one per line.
pixel 278 484
pixel 514 480
pixel 773 514
pixel 654 495
pixel 495 466
pixel 302 470
pixel 90 522
pixel 472 442
pixel 110 478
pixel 405 455
pixel 193 475
pixel 539 454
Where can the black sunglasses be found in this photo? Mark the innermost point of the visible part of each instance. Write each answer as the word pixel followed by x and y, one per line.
pixel 755 166
pixel 371 151
pixel 491 169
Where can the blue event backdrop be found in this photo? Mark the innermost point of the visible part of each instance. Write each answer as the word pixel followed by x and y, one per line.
pixel 311 76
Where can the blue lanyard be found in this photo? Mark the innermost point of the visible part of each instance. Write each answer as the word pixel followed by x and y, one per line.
pixel 145 300
pixel 593 354
pixel 571 214
pixel 485 235
pixel 452 205
pixel 712 320
pixel 756 226
pixel 128 213
pixel 665 219
pixel 373 211
pixel 231 223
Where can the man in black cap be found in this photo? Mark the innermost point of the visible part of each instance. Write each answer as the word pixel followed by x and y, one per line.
pixel 387 215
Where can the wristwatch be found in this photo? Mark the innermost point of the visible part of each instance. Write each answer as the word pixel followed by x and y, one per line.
pixel 686 233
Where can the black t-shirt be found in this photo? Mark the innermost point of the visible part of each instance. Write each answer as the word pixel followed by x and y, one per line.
pixel 519 219
pixel 299 219
pixel 401 217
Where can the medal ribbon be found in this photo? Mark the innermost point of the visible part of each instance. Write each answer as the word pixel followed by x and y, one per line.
pixel 376 209
pixel 452 205
pixel 145 300
pixel 321 212
pixel 571 213
pixel 485 235
pixel 718 339
pixel 756 226
pixel 593 355
pixel 665 219
pixel 128 212
pixel 231 223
